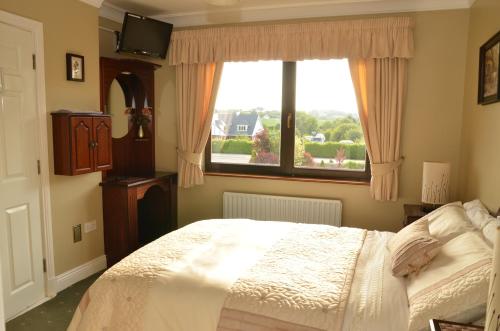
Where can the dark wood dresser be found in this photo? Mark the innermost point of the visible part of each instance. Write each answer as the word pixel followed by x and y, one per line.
pixel 137 211
pixel 139 204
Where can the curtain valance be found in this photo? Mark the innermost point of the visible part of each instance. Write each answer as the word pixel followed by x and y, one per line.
pixel 388 37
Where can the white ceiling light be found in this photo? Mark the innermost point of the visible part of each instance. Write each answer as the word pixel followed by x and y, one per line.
pixel 223 2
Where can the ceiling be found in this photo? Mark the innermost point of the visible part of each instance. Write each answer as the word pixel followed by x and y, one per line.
pixel 200 12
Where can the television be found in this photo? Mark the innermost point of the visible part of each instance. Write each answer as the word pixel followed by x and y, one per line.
pixel 144 36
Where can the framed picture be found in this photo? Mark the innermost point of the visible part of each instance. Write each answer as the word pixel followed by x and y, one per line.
pixel 75 67
pixel 489 71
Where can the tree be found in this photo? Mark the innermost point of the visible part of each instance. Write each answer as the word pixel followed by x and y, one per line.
pixel 305 123
pixel 354 134
pixel 340 132
pixel 340 157
pixel 266 148
pixel 302 158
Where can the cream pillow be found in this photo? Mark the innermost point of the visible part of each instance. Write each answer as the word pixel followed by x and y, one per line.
pixel 412 248
pixel 478 214
pixel 449 221
pixel 454 286
pixel 489 231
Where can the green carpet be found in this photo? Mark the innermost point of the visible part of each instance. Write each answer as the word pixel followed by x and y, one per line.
pixel 53 315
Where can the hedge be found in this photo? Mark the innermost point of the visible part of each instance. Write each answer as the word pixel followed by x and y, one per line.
pixel 325 150
pixel 232 146
pixel 329 150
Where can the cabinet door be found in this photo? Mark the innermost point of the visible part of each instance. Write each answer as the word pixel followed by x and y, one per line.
pixel 82 154
pixel 102 141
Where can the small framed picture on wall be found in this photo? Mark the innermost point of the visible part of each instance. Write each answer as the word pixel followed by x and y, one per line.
pixel 75 67
pixel 489 71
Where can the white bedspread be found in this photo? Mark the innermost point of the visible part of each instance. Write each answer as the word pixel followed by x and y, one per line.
pixel 378 300
pixel 184 280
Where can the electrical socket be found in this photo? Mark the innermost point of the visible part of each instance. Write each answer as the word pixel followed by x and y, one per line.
pixel 89 226
pixel 77 233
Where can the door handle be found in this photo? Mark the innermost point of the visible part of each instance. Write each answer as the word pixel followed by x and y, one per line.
pixel 289 121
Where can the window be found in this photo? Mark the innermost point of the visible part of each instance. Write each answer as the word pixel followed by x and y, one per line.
pixel 241 127
pixel 289 119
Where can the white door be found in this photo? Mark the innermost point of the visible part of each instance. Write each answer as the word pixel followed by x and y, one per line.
pixel 20 214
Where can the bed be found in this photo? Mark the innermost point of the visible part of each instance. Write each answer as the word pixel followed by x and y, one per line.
pixel 239 274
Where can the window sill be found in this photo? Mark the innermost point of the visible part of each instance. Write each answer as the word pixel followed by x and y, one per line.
pixel 292 178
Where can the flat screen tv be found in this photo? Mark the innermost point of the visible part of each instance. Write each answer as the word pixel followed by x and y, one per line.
pixel 144 36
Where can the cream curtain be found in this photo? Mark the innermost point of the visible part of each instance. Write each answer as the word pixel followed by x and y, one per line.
pixel 387 37
pixel 197 86
pixel 380 86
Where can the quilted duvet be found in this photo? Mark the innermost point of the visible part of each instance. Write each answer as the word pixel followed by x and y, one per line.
pixel 229 275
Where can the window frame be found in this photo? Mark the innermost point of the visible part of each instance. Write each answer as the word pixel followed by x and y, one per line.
pixel 287 147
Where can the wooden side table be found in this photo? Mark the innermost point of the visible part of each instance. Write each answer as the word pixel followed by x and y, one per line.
pixel 412 213
pixel 439 325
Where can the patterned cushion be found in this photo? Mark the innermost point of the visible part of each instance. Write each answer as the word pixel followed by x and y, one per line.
pixel 412 248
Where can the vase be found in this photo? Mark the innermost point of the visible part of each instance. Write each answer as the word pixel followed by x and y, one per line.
pixel 140 134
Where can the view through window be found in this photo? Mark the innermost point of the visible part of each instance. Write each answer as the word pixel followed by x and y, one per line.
pixel 328 133
pixel 251 124
pixel 246 122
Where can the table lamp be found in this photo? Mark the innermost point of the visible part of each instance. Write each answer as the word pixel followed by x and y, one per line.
pixel 435 185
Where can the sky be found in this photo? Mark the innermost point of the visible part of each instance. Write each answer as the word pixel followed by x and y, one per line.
pixel 321 85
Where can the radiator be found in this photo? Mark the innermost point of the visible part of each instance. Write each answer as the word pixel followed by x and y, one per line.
pixel 277 208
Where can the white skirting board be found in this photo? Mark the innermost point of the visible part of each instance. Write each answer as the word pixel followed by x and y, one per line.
pixel 79 273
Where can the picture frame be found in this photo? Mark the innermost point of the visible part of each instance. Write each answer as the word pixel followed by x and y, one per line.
pixel 75 67
pixel 489 71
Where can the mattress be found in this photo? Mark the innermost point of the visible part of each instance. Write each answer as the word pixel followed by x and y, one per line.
pixel 219 275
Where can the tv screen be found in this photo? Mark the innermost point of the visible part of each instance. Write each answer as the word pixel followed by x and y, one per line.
pixel 144 36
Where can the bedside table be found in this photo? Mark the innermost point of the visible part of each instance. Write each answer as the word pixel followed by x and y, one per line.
pixel 439 325
pixel 412 213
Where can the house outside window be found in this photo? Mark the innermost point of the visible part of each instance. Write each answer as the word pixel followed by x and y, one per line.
pixel 287 119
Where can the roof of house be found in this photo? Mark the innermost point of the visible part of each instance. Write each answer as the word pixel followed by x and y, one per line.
pixel 228 123
pixel 249 119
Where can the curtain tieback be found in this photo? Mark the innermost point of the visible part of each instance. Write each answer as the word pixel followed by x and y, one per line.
pixel 381 169
pixel 193 158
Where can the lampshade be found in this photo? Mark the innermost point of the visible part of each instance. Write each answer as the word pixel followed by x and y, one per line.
pixel 435 183
pixel 493 304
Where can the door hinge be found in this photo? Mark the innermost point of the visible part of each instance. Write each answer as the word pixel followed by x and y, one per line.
pixel 38 167
pixel 34 61
pixel 44 265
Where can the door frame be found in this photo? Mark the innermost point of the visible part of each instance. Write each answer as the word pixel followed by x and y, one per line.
pixel 2 315
pixel 36 28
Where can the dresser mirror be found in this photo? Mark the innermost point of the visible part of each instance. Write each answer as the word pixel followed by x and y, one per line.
pixel 117 109
pixel 126 92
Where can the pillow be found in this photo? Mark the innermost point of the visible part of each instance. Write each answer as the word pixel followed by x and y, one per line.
pixel 454 286
pixel 449 221
pixel 412 248
pixel 489 231
pixel 477 213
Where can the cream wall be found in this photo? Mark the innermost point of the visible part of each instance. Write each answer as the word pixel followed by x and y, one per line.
pixel 480 176
pixel 431 131
pixel 69 26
